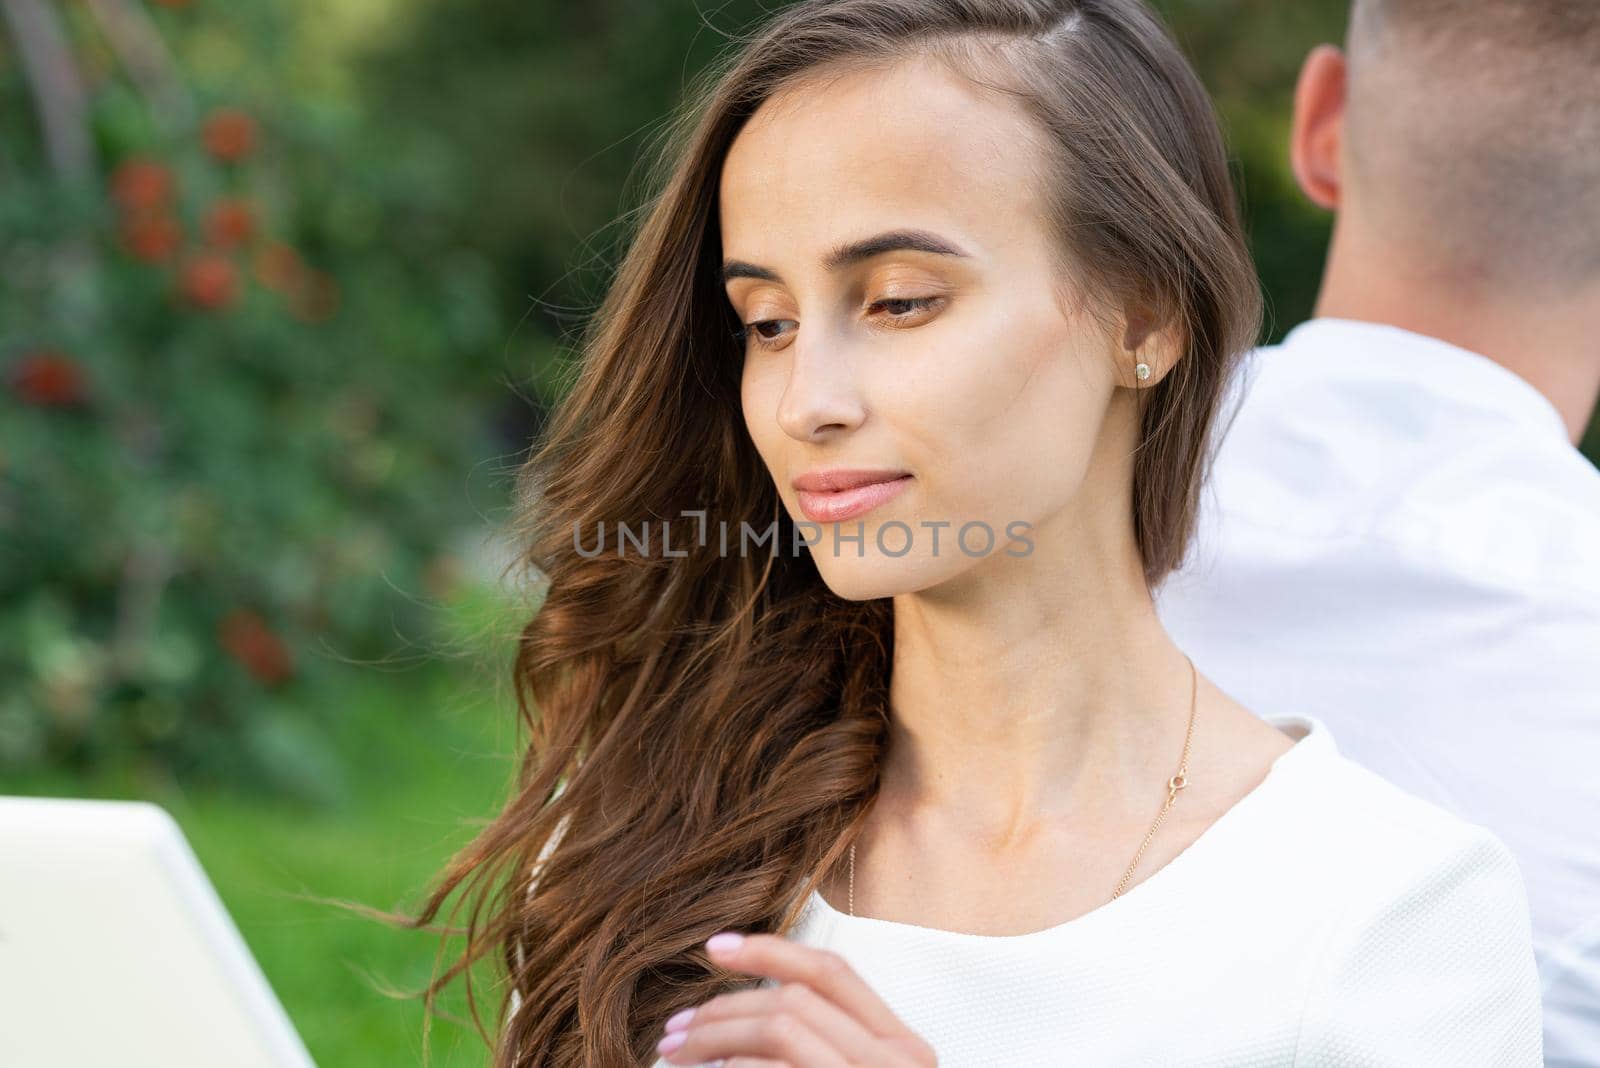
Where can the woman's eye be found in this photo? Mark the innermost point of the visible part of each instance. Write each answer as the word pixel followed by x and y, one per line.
pixel 894 308
pixel 900 306
pixel 756 330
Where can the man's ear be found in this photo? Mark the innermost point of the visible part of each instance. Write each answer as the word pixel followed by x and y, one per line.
pixel 1318 133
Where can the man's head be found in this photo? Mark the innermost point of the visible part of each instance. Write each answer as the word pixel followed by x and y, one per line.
pixel 1462 136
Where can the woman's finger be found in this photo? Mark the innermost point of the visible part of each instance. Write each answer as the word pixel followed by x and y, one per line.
pixel 782 1037
pixel 823 970
pixel 835 1026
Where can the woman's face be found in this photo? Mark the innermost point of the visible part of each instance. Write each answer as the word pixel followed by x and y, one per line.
pixel 952 361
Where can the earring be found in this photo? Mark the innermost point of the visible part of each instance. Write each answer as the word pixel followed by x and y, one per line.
pixel 1142 370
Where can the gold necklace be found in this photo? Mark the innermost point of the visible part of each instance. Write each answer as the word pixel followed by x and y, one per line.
pixel 1174 784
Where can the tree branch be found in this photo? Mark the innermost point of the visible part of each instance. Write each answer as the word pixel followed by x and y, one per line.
pixel 58 90
pixel 138 45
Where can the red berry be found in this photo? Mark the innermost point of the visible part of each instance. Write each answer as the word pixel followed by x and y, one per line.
pixel 48 379
pixel 229 134
pixel 245 636
pixel 151 238
pixel 210 281
pixel 229 223
pixel 141 184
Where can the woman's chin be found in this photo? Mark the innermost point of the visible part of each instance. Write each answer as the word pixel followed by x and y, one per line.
pixel 872 576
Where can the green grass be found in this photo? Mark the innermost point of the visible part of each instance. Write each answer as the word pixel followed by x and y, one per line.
pixel 425 757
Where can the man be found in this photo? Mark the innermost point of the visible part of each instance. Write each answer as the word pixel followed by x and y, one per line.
pixel 1399 536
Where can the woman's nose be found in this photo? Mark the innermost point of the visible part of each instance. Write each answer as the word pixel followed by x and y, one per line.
pixel 821 395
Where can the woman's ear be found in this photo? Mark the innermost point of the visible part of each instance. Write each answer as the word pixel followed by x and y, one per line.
pixel 1148 341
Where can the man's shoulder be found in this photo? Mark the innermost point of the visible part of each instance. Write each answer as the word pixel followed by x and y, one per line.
pixel 1307 461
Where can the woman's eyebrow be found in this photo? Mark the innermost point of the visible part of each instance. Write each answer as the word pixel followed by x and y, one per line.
pixel 854 252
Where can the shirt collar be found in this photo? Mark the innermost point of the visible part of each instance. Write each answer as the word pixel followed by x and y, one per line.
pixel 1317 737
pixel 1450 370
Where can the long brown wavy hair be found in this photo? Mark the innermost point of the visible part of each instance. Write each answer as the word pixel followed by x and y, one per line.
pixel 705 730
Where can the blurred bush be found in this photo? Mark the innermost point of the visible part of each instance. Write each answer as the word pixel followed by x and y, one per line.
pixel 234 425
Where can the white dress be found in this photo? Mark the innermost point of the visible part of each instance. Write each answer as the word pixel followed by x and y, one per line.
pixel 1326 920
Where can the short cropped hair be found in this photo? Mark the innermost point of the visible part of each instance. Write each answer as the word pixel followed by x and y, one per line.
pixel 1474 132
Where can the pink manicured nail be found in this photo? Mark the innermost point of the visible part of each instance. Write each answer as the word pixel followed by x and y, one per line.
pixel 726 942
pixel 671 1042
pixel 681 1020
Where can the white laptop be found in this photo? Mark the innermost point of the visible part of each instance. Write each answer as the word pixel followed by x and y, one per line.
pixel 115 949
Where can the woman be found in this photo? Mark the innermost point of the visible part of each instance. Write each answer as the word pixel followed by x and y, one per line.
pixel 948 292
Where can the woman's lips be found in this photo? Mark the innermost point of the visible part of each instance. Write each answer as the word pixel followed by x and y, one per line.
pixel 833 506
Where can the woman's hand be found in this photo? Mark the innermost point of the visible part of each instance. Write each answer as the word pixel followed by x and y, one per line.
pixel 822 1015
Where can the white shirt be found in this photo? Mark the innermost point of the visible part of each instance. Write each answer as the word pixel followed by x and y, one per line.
pixel 1326 920
pixel 1400 539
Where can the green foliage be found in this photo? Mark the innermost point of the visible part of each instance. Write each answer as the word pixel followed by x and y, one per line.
pixel 1248 53
pixel 425 755
pixel 543 110
pixel 234 425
